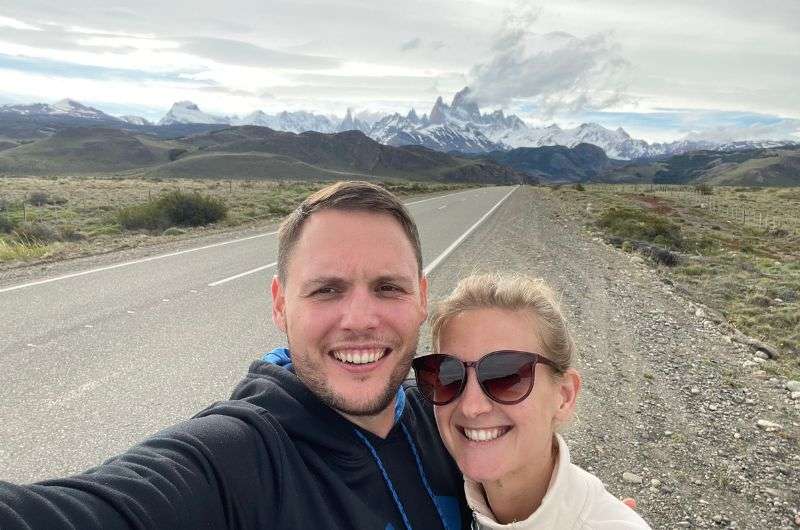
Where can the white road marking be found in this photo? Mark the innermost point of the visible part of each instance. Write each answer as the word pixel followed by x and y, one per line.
pixel 435 263
pixel 245 273
pixel 442 207
pixel 134 262
pixel 171 254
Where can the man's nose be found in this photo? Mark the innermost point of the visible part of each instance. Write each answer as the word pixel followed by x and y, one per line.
pixel 473 402
pixel 361 310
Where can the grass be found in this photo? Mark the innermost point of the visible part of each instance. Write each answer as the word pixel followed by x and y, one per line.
pixel 81 215
pixel 737 264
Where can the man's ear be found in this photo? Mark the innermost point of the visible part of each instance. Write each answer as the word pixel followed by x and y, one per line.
pixel 278 304
pixel 423 297
pixel 569 386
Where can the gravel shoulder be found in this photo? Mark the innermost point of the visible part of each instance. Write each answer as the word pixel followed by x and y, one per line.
pixel 673 412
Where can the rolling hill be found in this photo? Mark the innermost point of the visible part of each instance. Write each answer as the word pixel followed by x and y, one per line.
pixel 243 152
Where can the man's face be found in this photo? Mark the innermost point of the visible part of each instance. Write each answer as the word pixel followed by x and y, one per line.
pixel 351 307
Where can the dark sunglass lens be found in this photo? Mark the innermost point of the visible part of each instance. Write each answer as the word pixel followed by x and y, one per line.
pixel 506 377
pixel 439 377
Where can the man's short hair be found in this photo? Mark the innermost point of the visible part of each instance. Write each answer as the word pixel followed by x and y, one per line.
pixel 344 196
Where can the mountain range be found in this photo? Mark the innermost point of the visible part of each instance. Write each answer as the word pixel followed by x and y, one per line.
pixel 456 127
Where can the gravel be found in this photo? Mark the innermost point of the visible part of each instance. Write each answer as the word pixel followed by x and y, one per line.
pixel 669 397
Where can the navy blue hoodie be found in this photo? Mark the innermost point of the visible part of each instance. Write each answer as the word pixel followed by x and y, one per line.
pixel 274 456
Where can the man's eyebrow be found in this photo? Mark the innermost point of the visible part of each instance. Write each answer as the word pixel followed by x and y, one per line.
pixel 394 278
pixel 323 280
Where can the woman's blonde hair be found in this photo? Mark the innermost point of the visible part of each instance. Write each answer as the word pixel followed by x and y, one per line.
pixel 514 293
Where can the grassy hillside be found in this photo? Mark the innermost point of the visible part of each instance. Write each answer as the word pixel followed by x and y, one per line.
pixel 84 150
pixel 242 152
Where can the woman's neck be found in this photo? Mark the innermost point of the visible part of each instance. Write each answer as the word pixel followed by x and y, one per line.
pixel 517 496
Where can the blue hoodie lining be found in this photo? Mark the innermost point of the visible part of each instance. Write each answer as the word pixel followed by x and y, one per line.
pixel 422 474
pixel 282 357
pixel 386 479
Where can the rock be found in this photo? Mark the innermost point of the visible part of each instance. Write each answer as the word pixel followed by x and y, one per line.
pixel 655 483
pixel 700 313
pixel 793 386
pixel 683 524
pixel 762 355
pixel 631 478
pixel 768 425
pixel 797 519
pixel 694 391
pixel 748 364
pixel 717 518
pixel 795 395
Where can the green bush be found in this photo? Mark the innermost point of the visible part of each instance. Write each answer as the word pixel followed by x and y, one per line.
pixel 38 198
pixel 173 209
pixel 7 224
pixel 704 189
pixel 579 187
pixel 35 233
pixel 633 223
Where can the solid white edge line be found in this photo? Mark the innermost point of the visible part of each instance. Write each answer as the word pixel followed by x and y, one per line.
pixel 435 263
pixel 171 254
pixel 245 273
pixel 134 262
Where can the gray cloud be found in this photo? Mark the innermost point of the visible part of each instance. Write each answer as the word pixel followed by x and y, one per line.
pixel 784 129
pixel 413 44
pixel 558 71
pixel 247 54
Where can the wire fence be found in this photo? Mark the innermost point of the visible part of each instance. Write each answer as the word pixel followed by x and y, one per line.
pixel 726 204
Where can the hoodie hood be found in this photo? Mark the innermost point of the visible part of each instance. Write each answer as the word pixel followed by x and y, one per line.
pixel 271 384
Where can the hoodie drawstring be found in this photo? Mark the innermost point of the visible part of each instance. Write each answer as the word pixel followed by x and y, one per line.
pixel 388 481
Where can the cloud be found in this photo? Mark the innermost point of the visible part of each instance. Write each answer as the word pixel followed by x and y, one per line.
pixel 558 71
pixel 247 54
pixel 413 44
pixel 780 129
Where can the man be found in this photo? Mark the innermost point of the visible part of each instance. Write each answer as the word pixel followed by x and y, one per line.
pixel 316 436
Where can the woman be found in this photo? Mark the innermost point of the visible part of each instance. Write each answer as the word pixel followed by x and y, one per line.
pixel 492 338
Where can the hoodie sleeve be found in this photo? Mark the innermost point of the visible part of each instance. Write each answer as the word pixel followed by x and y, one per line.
pixel 199 474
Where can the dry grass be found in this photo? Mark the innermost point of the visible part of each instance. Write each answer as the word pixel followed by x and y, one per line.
pixel 740 253
pixel 82 212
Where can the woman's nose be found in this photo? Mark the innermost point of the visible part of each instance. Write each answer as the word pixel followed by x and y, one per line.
pixel 473 401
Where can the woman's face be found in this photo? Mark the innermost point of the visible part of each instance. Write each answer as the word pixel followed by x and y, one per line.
pixel 520 433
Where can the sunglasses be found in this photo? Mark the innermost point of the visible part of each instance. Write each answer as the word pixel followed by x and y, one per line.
pixel 504 376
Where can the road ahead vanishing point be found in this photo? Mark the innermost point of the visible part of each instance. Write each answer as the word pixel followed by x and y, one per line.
pixel 95 361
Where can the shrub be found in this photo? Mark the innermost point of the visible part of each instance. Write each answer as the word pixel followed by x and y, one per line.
pixel 70 233
pixel 35 233
pixel 42 198
pixel 633 223
pixel 579 187
pixel 38 198
pixel 704 189
pixel 173 208
pixel 173 231
pixel 7 224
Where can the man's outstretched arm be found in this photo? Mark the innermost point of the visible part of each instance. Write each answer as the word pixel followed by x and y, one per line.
pixel 200 474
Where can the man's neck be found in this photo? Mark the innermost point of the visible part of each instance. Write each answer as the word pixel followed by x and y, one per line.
pixel 378 424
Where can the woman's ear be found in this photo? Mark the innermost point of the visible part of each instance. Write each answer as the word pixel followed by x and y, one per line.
pixel 569 386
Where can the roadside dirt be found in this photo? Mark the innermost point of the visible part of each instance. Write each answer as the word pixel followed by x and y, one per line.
pixel 671 407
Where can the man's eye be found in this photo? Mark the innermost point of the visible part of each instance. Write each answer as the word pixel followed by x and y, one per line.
pixel 388 288
pixel 324 291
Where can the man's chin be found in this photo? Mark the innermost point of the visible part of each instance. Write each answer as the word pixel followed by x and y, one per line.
pixel 359 405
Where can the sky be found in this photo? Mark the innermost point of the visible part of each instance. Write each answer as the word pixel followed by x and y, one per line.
pixel 663 70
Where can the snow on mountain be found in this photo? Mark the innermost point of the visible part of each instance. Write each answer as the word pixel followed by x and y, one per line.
pixel 295 122
pixel 135 120
pixel 352 123
pixel 397 130
pixel 188 112
pixel 65 107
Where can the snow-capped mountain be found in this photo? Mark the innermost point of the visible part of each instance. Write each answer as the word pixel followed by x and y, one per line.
pixel 295 122
pixel 135 120
pixel 188 112
pixel 352 123
pixel 65 108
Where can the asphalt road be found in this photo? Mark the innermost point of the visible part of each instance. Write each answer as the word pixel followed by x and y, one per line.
pixel 94 361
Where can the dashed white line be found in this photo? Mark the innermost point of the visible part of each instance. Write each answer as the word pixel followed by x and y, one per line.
pixel 245 273
pixel 435 263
